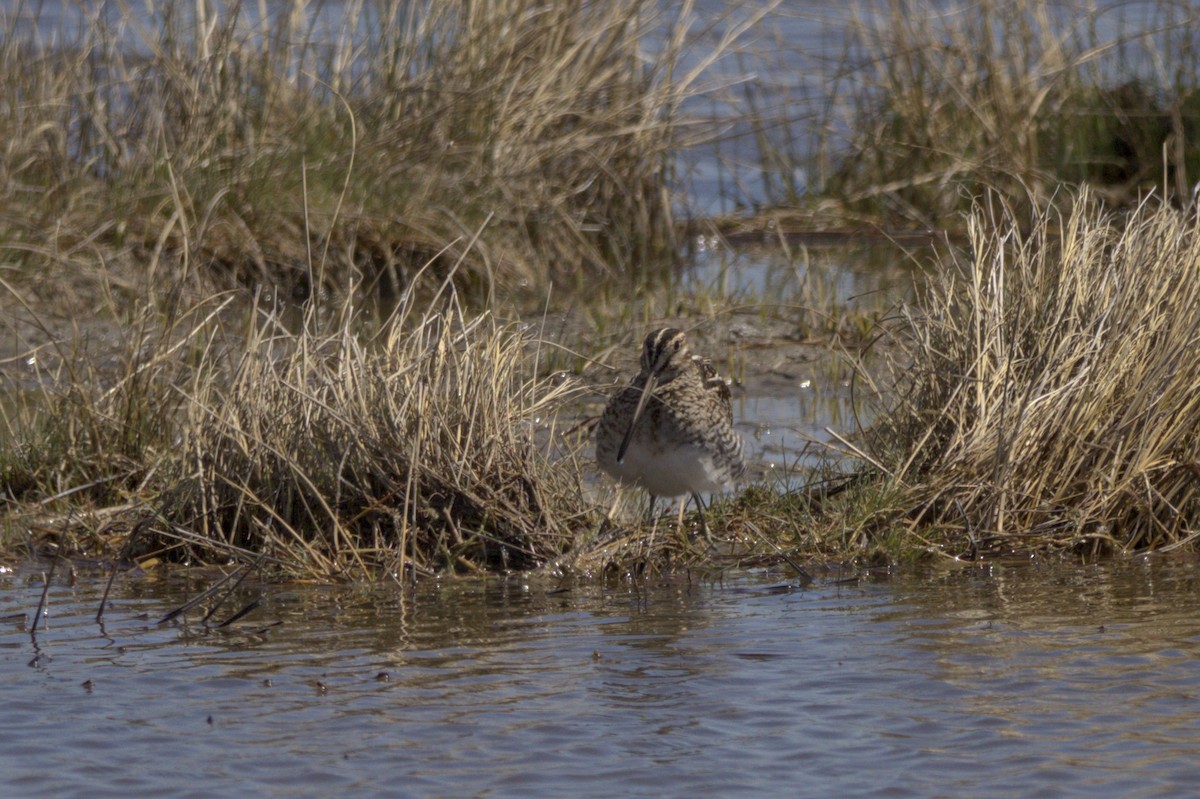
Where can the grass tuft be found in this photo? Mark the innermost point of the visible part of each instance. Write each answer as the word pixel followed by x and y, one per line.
pixel 1050 397
pixel 421 449
pixel 1014 97
pixel 205 146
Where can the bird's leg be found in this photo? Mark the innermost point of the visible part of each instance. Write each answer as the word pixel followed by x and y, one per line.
pixel 652 520
pixel 650 508
pixel 703 521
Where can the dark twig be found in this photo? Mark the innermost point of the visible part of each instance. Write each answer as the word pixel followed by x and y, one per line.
pixel 249 607
pixel 133 534
pixel 805 578
pixel 185 607
pixel 251 567
pixel 46 578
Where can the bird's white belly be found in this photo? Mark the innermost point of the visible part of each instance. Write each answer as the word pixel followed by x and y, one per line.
pixel 668 472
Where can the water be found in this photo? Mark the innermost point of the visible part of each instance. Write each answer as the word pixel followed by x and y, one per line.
pixel 997 681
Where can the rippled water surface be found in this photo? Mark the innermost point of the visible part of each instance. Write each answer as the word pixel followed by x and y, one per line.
pixel 1003 681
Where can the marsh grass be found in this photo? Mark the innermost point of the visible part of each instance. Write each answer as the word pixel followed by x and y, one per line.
pixel 334 445
pixel 421 449
pixel 434 156
pixel 94 410
pixel 199 209
pixel 160 162
pixel 1049 397
pixel 192 145
pixel 939 107
pixel 1042 398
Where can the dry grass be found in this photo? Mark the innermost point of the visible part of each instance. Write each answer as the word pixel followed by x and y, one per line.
pixel 195 145
pixel 329 444
pixel 943 105
pixel 333 444
pixel 1044 397
pixel 1050 397
pixel 1046 400
pixel 457 151
pixel 442 159
pixel 422 449
pixel 91 411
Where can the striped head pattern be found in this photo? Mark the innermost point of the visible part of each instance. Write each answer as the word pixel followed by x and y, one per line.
pixel 665 354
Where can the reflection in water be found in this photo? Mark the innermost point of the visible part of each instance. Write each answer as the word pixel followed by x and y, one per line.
pixel 995 681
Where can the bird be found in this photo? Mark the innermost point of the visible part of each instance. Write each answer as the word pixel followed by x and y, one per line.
pixel 670 431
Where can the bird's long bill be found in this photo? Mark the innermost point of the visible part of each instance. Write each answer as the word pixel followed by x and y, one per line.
pixel 651 381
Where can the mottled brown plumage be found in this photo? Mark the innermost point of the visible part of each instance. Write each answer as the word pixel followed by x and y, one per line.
pixel 671 431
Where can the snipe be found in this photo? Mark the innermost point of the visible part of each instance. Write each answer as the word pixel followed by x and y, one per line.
pixel 670 431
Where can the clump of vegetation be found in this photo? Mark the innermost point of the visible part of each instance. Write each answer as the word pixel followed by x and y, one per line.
pixel 332 444
pixel 202 146
pixel 90 414
pixel 423 448
pixel 1043 397
pixel 1017 98
pixel 1046 399
pixel 1049 397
